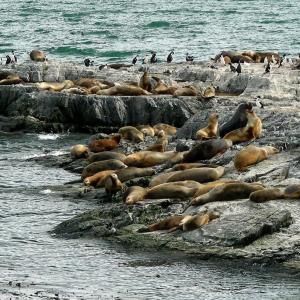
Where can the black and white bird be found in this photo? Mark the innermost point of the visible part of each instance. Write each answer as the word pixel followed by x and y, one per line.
pixel 153 58
pixel 88 63
pixel 258 102
pixel 145 59
pixel 8 60
pixel 281 60
pixel 268 68
pixel 15 59
pixel 189 57
pixel 239 68
pixel 232 67
pixel 170 57
pixel 135 59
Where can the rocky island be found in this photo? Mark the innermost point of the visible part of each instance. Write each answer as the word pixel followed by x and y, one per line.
pixel 267 232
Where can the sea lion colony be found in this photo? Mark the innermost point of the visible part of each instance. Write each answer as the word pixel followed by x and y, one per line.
pixel 186 176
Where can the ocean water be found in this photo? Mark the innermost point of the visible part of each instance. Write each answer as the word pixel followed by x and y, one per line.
pixel 115 31
pixel 84 269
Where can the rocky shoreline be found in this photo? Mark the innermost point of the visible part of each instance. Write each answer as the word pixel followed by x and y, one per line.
pixel 268 232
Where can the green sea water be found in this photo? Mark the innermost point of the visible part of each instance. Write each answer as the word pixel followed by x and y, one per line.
pixel 115 31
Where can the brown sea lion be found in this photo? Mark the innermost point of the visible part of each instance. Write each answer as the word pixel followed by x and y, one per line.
pixel 266 195
pixel 76 91
pixel 179 190
pixel 250 132
pixel 161 143
pixel 208 93
pixel 89 83
pixel 292 191
pixel 112 184
pixel 98 166
pixel 145 83
pixel 134 194
pixel 198 174
pixel 106 155
pixel 37 55
pixel 186 166
pixel 227 192
pixel 105 144
pixel 131 133
pixel 161 178
pixel 79 151
pixel 123 90
pixel 55 86
pixel 11 79
pixel 147 130
pixel 252 155
pixel 198 220
pixel 238 120
pixel 151 158
pixel 207 150
pixel 211 130
pixel 186 91
pixel 259 57
pixel 168 129
pixel 98 179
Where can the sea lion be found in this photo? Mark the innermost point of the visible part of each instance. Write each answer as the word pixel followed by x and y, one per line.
pixel 145 83
pixel 208 92
pixel 90 83
pixel 98 166
pixel 127 174
pixel 198 174
pixel 161 178
pixel 55 86
pixel 123 90
pixel 147 130
pixel 131 133
pixel 179 190
pixel 211 130
pixel 207 150
pixel 238 120
pixel 266 195
pixel 250 132
pixel 151 158
pixel 161 143
pixel 76 91
pixel 105 144
pixel 37 55
pixel 106 155
pixel 168 129
pixel 134 194
pixel 186 91
pixel 292 191
pixel 11 79
pixel 112 184
pixel 198 220
pixel 252 155
pixel 79 151
pixel 260 57
pixel 186 166
pixel 227 192
pixel 162 88
pixel 98 179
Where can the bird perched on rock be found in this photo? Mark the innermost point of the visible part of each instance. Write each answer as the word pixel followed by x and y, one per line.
pixel 170 57
pixel 239 68
pixel 145 59
pixel 258 102
pixel 189 57
pixel 8 60
pixel 232 67
pixel 135 59
pixel 153 58
pixel 14 56
pixel 268 68
pixel 282 59
pixel 88 63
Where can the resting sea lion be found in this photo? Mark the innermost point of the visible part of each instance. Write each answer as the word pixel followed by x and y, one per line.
pixel 227 192
pixel 105 144
pixel 147 130
pixel 211 130
pixel 76 91
pixel 180 189
pixel 98 166
pixel 98 179
pixel 106 155
pixel 151 158
pixel 198 174
pixel 168 129
pixel 250 132
pixel 238 120
pixel 131 133
pixel 186 91
pixel 161 178
pixel 11 79
pixel 37 55
pixel 207 150
pixel 161 143
pixel 198 220
pixel 55 86
pixel 134 194
pixel 112 184
pixel 292 191
pixel 79 151
pixel 266 195
pixel 123 90
pixel 186 166
pixel 251 155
